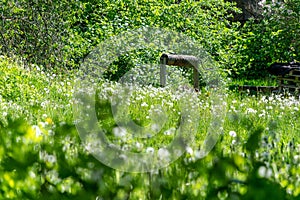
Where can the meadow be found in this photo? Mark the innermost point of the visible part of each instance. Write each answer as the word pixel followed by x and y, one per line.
pixel 42 155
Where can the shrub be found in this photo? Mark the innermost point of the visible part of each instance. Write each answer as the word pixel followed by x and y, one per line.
pixel 63 33
pixel 34 31
pixel 273 39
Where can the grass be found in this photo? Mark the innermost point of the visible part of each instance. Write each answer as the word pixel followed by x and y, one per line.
pixel 42 156
pixel 269 81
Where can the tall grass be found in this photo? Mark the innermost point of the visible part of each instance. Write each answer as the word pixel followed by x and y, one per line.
pixel 257 155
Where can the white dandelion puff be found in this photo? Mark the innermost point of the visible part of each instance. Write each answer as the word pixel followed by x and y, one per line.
pixel 232 133
pixel 119 132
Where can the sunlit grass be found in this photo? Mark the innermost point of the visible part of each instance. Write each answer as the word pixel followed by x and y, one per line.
pixel 40 148
pixel 268 81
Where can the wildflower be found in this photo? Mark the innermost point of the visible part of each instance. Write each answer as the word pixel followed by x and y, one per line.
pixel 251 110
pixel 232 133
pixel 170 131
pixel 125 148
pixel 139 146
pixel 163 154
pixel 189 150
pixel 37 130
pixel 262 114
pixel 155 127
pixel 123 156
pixel 34 134
pixel 47 90
pixel 49 120
pixel 50 158
pixel 150 150
pixel 119 131
pixel 144 104
pixel 264 172
pixel 43 104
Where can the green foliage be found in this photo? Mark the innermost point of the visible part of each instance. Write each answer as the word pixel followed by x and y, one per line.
pixel 274 38
pixel 59 34
pixel 93 22
pixel 34 31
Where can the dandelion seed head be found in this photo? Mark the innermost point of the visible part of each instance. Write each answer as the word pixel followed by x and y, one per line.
pixel 232 133
pixel 189 150
pixel 163 154
pixel 119 132
pixel 150 150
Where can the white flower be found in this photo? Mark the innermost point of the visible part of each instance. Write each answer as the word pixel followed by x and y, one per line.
pixel 170 131
pixel 119 131
pixel 43 104
pixel 51 158
pixel 37 129
pixel 251 110
pixel 232 133
pixel 4 114
pixel 150 150
pixel 144 104
pixel 264 172
pixel 189 150
pixel 123 156
pixel 163 154
pixel 155 127
pixel 138 145
pixel 125 148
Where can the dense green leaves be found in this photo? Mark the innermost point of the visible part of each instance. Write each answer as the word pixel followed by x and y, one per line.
pixel 274 38
pixel 62 34
pixel 34 31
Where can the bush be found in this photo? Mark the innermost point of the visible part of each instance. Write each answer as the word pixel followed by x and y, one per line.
pixel 273 39
pixel 34 31
pixel 63 33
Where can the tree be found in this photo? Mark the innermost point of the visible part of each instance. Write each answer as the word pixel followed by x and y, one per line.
pixel 34 30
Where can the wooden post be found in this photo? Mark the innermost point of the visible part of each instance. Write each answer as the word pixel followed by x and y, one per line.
pixel 196 78
pixel 163 72
pixel 179 60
